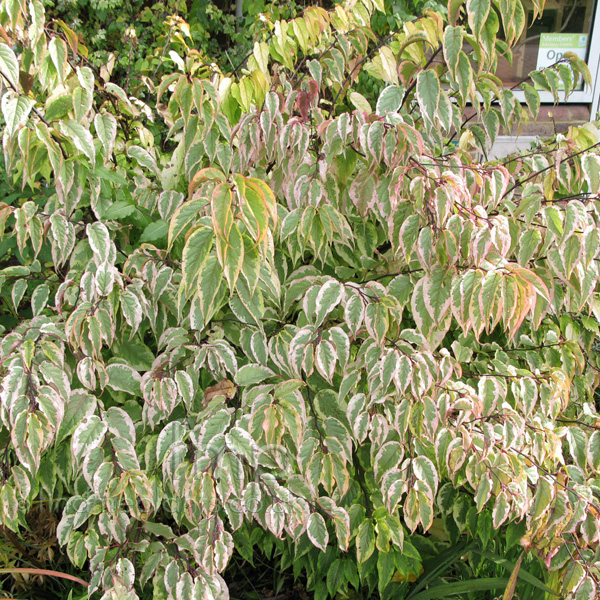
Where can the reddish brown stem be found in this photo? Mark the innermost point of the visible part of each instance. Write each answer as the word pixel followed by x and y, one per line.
pixel 46 572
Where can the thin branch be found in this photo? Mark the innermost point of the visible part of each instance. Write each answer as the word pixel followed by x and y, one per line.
pixel 359 64
pixel 578 422
pixel 532 176
pixel 36 111
pixel 414 82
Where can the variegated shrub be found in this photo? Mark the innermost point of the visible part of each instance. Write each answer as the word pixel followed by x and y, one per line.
pixel 265 312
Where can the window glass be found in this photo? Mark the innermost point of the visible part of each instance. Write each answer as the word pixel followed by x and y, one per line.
pixel 565 26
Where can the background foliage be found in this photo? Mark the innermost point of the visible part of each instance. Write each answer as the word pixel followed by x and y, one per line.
pixel 286 313
pixel 132 35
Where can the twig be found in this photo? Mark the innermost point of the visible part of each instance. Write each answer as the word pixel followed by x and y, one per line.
pixel 164 50
pixel 359 64
pixel 520 183
pixel 410 88
pixel 576 421
pixel 36 111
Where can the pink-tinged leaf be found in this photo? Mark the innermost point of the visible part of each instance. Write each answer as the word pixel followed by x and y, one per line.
pixel 221 210
pixel 501 510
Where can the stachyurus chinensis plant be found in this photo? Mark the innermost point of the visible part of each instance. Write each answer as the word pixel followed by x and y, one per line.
pixel 264 312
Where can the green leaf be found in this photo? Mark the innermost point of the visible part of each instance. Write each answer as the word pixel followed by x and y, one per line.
pixel 79 405
pixel 360 102
pixel 425 470
pixel 106 130
pixel 15 110
pixel 253 374
pixel 88 435
pixel 9 64
pixel 144 158
pixel 119 210
pixel 543 498
pixel 573 576
pixel 210 279
pixel 222 215
pixel 500 512
pixel 325 359
pixel 137 354
pixel 389 100
pixel 591 168
pixel 317 531
pixel 329 296
pixel 81 138
pixel 171 434
pixel 57 49
pixel 195 252
pixel 159 529
pixel 336 577
pixel 453 43
pixel 39 299
pixel 99 238
pixel 428 94
pixel 365 541
pixel 241 442
pixel 132 310
pixel 234 259
pixel 186 213
pixel 532 98
pixel 477 12
pixel 587 590
pixel 124 378
pixel 155 231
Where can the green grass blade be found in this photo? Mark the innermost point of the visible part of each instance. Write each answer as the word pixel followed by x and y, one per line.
pixel 445 590
pixel 523 574
pixel 438 565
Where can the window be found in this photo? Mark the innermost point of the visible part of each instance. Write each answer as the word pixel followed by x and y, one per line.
pixel 566 25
